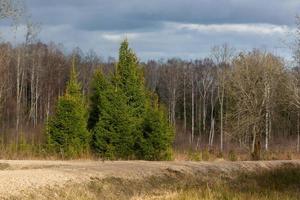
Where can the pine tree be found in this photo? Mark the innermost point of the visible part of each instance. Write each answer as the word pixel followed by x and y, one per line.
pixel 66 130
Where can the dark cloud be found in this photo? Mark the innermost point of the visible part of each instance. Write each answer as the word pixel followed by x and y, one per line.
pixel 163 28
pixel 140 14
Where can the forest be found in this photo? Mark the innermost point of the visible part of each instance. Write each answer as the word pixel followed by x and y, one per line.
pixel 228 103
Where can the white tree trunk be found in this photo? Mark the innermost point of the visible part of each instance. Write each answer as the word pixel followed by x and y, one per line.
pixel 267 116
pixel 184 102
pixel 212 120
pixel 193 110
pixel 221 117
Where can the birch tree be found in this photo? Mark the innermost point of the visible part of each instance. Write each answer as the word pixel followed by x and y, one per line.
pixel 222 56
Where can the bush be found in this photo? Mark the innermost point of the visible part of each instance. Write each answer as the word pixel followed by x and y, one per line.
pixel 232 155
pixel 195 155
pixel 205 155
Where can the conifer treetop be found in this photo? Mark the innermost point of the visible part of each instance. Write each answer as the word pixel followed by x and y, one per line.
pixel 73 86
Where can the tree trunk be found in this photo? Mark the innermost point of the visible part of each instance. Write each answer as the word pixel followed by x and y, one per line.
pixel 267 132
pixel 221 117
pixel 193 110
pixel 173 106
pixel 199 119
pixel 256 147
pixel 184 102
pixel 19 93
pixel 298 133
pixel 204 113
pixel 212 120
pixel 267 116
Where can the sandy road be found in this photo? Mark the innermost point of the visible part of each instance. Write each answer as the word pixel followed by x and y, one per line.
pixel 26 175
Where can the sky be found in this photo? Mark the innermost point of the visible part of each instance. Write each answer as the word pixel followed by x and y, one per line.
pixel 157 29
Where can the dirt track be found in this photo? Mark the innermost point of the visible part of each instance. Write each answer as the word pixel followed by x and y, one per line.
pixel 25 175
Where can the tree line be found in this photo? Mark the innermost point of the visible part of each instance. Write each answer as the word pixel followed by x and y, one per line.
pixel 230 99
pixel 250 98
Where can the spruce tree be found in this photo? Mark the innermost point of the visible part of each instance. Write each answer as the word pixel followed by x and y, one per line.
pixel 99 88
pixel 110 120
pixel 67 129
pixel 151 131
pixel 124 122
pixel 158 134
pixel 129 78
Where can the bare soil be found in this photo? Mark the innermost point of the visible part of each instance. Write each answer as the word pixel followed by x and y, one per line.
pixel 20 176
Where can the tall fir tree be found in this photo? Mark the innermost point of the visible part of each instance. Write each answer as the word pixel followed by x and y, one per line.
pixel 123 120
pixel 67 132
pixel 110 120
pixel 129 78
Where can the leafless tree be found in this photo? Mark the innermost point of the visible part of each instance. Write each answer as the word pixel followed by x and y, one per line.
pixel 222 56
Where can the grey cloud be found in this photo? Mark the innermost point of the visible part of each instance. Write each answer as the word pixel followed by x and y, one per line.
pixel 140 14
pixel 101 24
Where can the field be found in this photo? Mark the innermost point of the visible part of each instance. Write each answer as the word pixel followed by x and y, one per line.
pixel 24 179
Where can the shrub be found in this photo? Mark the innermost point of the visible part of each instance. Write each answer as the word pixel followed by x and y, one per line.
pixel 232 155
pixel 205 155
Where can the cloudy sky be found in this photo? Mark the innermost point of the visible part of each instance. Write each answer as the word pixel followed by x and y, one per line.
pixel 166 28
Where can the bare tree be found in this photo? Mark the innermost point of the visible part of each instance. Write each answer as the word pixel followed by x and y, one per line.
pixel 222 55
pixel 184 98
pixel 170 77
pixel 293 87
pixel 248 88
pixel 204 82
pixel 193 106
pixel 296 46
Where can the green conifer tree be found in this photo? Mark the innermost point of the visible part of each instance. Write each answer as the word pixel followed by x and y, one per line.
pixel 158 134
pixel 123 121
pixel 129 78
pixel 99 88
pixel 67 132
pixel 110 120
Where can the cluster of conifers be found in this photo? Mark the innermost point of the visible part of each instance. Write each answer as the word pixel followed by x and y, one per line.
pixel 121 119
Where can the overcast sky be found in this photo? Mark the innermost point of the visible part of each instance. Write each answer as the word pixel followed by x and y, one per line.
pixel 165 28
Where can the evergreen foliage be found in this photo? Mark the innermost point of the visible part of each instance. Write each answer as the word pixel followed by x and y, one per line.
pixel 99 87
pixel 129 78
pixel 112 133
pixel 67 134
pixel 157 137
pixel 123 121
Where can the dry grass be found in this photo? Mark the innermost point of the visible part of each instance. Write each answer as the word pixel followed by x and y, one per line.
pixel 282 183
pixel 233 155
